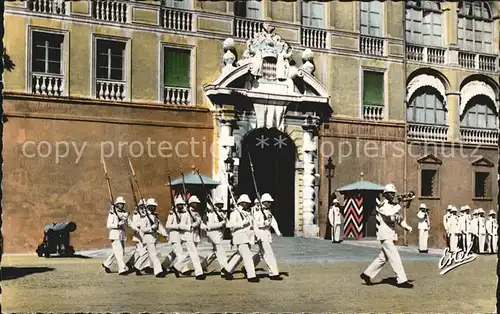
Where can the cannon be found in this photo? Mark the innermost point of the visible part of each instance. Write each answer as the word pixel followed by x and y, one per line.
pixel 56 239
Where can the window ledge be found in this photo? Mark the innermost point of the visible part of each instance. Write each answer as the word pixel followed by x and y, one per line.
pixel 429 198
pixel 482 198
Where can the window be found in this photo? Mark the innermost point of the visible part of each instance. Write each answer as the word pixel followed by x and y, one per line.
pixel 249 9
pixel 424 23
pixel 313 14
pixel 178 4
pixel 479 114
pixel 47 53
pixel 426 107
pixel 373 88
pixel 429 183
pixel 371 18
pixel 482 185
pixel 110 59
pixel 475 26
pixel 177 67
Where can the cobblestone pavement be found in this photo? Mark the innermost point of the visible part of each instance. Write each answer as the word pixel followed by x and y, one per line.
pixel 318 277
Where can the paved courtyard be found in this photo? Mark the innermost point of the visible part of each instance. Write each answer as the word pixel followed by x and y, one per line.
pixel 318 277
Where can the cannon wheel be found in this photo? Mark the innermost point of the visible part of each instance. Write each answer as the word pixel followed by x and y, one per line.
pixel 69 251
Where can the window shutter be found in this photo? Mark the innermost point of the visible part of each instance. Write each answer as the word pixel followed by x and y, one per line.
pixel 253 9
pixel 373 89
pixel 317 14
pixel 375 18
pixel 306 14
pixel 177 67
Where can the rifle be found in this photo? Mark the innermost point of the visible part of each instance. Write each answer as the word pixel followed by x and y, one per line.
pixel 208 198
pixel 110 192
pixel 255 187
pixel 138 189
pixel 172 198
pixel 233 198
pixel 185 194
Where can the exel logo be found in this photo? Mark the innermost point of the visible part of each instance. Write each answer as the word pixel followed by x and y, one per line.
pixel 451 260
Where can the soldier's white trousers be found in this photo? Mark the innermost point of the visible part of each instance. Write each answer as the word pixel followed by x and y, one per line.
pixel 140 258
pixel 482 241
pixel 389 253
pixel 220 253
pixel 336 234
pixel 266 253
pixel 176 252
pixel 245 254
pixel 192 255
pixel 492 243
pixel 466 240
pixel 118 248
pixel 153 257
pixel 423 237
pixel 453 242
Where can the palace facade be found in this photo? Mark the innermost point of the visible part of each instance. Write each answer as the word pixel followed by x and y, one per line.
pixel 391 92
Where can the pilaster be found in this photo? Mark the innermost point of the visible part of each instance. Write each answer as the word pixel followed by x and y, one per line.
pixel 453 106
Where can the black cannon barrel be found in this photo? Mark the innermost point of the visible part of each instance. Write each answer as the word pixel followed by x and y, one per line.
pixel 67 226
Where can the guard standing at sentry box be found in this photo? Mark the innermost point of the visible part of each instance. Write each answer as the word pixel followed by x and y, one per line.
pixel 335 219
pixel 387 216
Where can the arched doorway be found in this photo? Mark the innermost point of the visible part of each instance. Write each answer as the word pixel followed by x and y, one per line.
pixel 273 155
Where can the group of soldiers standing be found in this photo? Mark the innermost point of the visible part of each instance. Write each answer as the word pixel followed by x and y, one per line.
pixel 248 224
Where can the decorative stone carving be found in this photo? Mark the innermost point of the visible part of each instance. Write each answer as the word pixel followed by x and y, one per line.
pixel 308 63
pixel 308 192
pixel 229 57
pixel 425 80
pixel 473 89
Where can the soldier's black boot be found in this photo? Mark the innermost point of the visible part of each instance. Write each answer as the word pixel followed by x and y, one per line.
pixel 225 274
pixel 254 279
pixel 405 284
pixel 137 271
pixel 129 265
pixel 201 277
pixel 175 271
pixel 106 269
pixel 160 275
pixel 366 278
pixel 276 277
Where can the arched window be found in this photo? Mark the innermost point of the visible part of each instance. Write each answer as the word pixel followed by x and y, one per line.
pixel 426 106
pixel 480 113
pixel 475 26
pixel 424 23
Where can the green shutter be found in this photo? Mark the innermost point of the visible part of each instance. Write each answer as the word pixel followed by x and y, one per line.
pixel 373 89
pixel 177 67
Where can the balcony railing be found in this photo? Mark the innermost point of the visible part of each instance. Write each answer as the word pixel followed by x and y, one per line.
pixel 47 84
pixel 371 45
pixel 47 6
pixel 110 11
pixel 111 90
pixel 425 54
pixel 175 19
pixel 246 28
pixel 176 95
pixel 427 132
pixel 479 136
pixel 373 112
pixel 477 61
pixel 313 37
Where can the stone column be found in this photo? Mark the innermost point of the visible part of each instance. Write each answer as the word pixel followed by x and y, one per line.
pixel 453 106
pixel 310 230
pixel 226 143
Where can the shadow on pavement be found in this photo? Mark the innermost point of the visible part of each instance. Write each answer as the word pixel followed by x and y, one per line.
pixel 9 273
pixel 392 281
pixel 73 256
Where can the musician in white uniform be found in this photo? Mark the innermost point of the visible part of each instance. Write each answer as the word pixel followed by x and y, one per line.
pixel 424 226
pixel 464 226
pixel 453 229
pixel 117 218
pixel 174 237
pixel 474 231
pixel 481 230
pixel 492 232
pixel 139 261
pixel 445 224
pixel 387 216
pixel 335 219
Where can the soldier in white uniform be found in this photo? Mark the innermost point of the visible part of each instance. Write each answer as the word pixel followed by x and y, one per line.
pixel 474 223
pixel 424 225
pixel 445 224
pixel 150 226
pixel 387 216
pixel 492 231
pixel 335 219
pixel 174 237
pixel 481 230
pixel 453 229
pixel 262 223
pixel 464 225
pixel 214 226
pixel 116 225
pixel 241 223
pixel 139 261
pixel 190 237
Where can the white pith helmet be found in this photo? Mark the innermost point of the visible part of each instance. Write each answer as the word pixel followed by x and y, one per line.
pixel 194 199
pixel 480 211
pixel 449 207
pixel 475 212
pixel 336 201
pixel 492 213
pixel 467 207
pixel 243 199
pixel 390 188
pixel 453 209
pixel 179 201
pixel 218 200
pixel 423 206
pixel 266 197
pixel 151 202
pixel 120 200
pixel 141 202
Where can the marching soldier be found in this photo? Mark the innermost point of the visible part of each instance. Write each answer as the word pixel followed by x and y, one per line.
pixel 453 229
pixel 474 224
pixel 335 219
pixel 262 218
pixel 214 226
pixel 150 226
pixel 240 223
pixel 139 260
pixel 424 226
pixel 492 231
pixel 387 216
pixel 190 237
pixel 116 225
pixel 174 237
pixel 481 230
pixel 464 227
pixel 445 224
